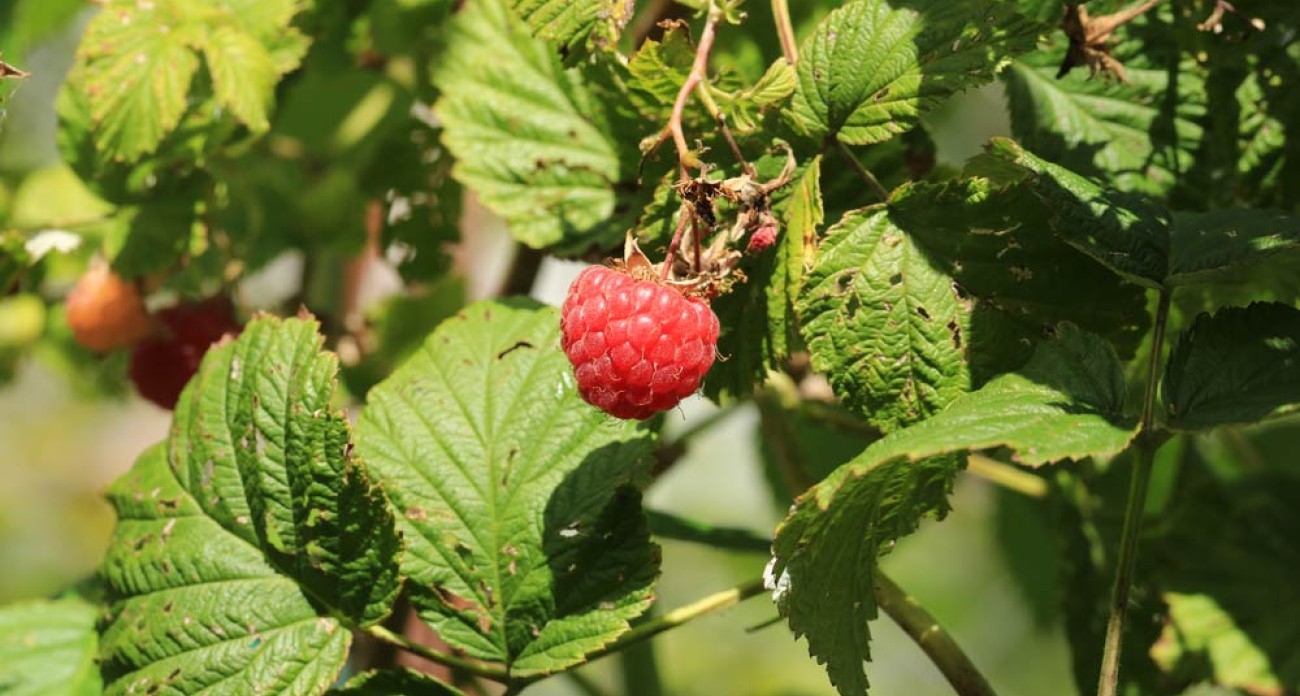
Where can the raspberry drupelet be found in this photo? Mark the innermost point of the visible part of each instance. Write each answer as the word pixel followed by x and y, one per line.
pixel 638 347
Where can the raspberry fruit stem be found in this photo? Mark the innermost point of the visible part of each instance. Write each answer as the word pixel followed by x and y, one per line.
pixel 698 68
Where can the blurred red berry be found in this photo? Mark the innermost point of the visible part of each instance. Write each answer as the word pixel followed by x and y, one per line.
pixel 163 363
pixel 106 312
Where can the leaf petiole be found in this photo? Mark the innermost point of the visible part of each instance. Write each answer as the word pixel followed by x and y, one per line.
pixel 1147 442
pixel 485 670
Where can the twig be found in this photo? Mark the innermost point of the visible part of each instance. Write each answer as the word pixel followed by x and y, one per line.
pixel 698 69
pixel 584 684
pixel 703 607
pixel 480 669
pixel 1146 443
pixel 1007 476
pixel 683 219
pixel 702 92
pixel 937 643
pixel 523 271
pixel 867 176
pixel 692 531
pixel 774 425
pixel 785 30
pixel 639 667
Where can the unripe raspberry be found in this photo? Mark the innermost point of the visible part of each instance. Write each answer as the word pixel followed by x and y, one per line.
pixel 637 346
pixel 106 312
pixel 162 364
pixel 764 236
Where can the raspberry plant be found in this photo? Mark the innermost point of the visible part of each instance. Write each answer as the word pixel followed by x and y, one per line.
pixel 1099 314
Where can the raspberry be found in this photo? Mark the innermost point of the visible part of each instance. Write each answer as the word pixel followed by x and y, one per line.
pixel 162 364
pixel 104 311
pixel 764 236
pixel 637 347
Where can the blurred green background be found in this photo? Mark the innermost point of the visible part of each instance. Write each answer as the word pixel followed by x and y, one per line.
pixel 59 447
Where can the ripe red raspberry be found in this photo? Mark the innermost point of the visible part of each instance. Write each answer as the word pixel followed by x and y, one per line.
pixel 104 311
pixel 162 364
pixel 637 347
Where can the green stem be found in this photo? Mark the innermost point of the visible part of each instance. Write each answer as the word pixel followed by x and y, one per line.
pixel 682 615
pixel 1146 443
pixel 1007 476
pixel 703 424
pixel 523 271
pixel 872 182
pixel 937 643
pixel 727 538
pixel 584 684
pixel 706 98
pixel 785 30
pixel 640 668
pixel 478 669
pixel 774 425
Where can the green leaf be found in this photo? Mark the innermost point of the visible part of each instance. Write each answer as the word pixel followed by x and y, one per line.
pixel 744 107
pixel 138 62
pixel 529 137
pixel 911 304
pixel 14 259
pixel 248 546
pixel 1136 135
pixel 573 25
pixel 658 69
pixel 1067 402
pixel 137 75
pixel 526 543
pixel 243 75
pixel 394 682
pixel 825 552
pixel 1064 404
pixel 1228 574
pixel 196 605
pixel 1125 232
pixel 873 67
pixel 151 238
pixel 47 648
pixel 883 322
pixel 1207 247
pixel 1238 366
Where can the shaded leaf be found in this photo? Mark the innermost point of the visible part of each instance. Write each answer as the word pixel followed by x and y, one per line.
pixel 1205 247
pixel 872 67
pixel 1238 366
pixel 393 682
pixel 526 543
pixel 1138 238
pixel 827 550
pixel 1228 574
pixel 911 304
pixel 1132 134
pixel 1065 403
pixel 47 648
pixel 1124 232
